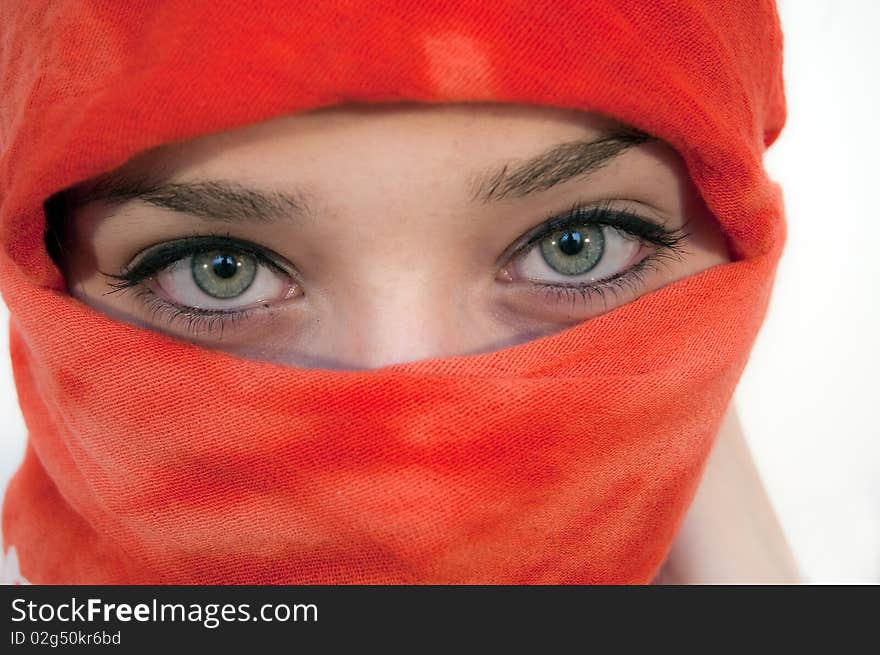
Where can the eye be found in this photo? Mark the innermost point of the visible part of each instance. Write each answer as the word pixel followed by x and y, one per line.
pixel 589 251
pixel 223 274
pixel 222 280
pixel 209 274
pixel 585 253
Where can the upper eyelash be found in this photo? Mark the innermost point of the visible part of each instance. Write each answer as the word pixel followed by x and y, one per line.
pixel 166 255
pixel 602 213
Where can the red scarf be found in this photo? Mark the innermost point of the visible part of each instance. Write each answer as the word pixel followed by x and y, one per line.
pixel 568 459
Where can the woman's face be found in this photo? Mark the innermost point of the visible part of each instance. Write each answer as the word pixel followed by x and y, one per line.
pixel 361 237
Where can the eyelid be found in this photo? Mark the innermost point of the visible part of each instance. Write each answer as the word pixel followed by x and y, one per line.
pixel 601 213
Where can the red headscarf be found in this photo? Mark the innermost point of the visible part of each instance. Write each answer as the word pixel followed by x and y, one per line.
pixel 568 459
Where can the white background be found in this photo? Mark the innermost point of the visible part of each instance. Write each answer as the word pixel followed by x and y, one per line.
pixel 807 397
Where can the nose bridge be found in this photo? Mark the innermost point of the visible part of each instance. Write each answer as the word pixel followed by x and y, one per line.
pixel 404 317
pixel 400 289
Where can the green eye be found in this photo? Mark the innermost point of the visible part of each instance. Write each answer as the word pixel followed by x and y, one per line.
pixel 223 273
pixel 573 251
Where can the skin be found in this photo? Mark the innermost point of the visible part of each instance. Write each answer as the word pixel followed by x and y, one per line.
pixel 730 534
pixel 398 257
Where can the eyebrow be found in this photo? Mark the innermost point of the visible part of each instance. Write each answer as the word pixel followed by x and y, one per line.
pixel 231 201
pixel 219 200
pixel 555 166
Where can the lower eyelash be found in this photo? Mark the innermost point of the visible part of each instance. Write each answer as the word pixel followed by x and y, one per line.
pixel 615 286
pixel 195 321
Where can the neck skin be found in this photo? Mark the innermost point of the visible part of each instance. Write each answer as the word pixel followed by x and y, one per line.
pixel 731 534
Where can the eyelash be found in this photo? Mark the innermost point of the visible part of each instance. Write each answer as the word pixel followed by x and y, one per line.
pixel 668 244
pixel 131 279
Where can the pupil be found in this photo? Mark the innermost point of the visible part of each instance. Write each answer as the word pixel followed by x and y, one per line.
pixel 571 243
pixel 224 266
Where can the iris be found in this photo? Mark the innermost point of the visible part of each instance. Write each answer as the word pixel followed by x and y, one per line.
pixel 574 251
pixel 223 274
